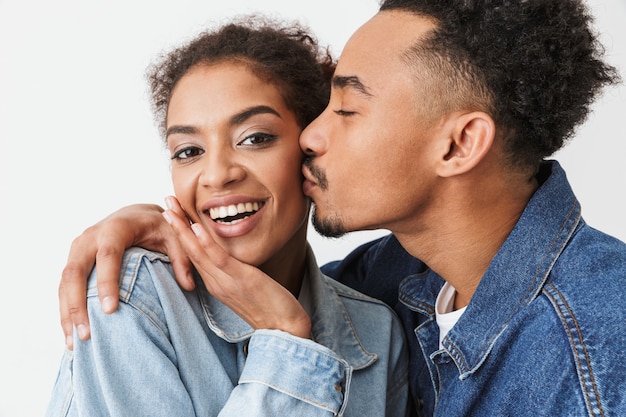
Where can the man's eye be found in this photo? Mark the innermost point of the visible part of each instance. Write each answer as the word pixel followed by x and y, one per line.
pixel 341 112
pixel 257 139
pixel 187 153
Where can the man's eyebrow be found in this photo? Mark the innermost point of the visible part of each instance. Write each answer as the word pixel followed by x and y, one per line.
pixel 233 121
pixel 353 82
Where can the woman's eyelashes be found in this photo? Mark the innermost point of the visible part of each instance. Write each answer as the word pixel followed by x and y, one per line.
pixel 258 139
pixel 187 153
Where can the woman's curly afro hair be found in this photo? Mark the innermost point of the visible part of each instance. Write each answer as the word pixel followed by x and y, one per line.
pixel 284 54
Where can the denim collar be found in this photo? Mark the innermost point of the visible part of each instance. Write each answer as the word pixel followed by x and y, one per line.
pixel 515 276
pixel 331 324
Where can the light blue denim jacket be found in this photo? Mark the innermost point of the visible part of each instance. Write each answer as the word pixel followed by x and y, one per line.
pixel 544 333
pixel 168 352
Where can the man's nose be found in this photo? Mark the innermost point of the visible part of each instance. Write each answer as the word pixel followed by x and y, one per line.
pixel 313 140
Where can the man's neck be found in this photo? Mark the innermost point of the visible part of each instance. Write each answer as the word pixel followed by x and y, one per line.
pixel 460 238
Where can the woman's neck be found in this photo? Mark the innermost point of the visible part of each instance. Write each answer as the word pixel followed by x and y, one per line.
pixel 288 265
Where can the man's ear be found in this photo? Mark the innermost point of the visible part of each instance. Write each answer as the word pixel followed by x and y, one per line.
pixel 471 136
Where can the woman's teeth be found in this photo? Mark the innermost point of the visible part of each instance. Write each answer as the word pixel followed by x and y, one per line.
pixel 234 212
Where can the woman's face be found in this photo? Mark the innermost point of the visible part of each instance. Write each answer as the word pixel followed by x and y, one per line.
pixel 236 162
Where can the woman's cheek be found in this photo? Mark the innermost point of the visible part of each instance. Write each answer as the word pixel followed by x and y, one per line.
pixel 184 183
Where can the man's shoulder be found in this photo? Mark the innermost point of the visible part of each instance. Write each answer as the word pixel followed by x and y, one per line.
pixel 587 283
pixel 593 264
pixel 585 290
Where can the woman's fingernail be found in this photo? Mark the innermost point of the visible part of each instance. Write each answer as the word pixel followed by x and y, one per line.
pixel 168 203
pixel 167 217
pixel 107 304
pixel 82 331
pixel 196 229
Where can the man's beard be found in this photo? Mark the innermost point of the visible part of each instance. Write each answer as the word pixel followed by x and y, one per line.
pixel 331 227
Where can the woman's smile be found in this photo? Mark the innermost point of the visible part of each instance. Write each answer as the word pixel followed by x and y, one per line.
pixel 234 213
pixel 236 218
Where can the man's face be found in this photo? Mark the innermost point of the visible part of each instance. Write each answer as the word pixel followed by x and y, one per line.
pixel 372 150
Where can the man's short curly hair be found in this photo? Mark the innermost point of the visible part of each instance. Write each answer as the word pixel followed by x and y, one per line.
pixel 534 65
pixel 284 54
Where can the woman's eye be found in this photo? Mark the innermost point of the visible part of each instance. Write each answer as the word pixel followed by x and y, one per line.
pixel 187 153
pixel 257 139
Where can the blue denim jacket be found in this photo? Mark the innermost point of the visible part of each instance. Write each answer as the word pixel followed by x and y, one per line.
pixel 168 352
pixel 545 332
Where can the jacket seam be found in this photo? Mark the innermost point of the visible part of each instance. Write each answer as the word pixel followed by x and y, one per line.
pixel 577 343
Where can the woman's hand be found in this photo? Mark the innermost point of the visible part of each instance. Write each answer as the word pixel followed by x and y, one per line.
pixel 253 295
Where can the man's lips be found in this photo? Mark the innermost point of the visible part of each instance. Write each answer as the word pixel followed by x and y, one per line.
pixel 308 176
pixel 314 174
pixel 309 182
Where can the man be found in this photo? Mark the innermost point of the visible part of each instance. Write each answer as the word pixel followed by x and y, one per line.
pixel 440 119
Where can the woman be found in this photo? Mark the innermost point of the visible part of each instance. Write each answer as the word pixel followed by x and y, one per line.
pixel 231 105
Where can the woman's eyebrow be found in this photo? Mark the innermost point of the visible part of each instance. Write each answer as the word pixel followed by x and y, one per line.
pixel 185 130
pixel 252 111
pixel 233 121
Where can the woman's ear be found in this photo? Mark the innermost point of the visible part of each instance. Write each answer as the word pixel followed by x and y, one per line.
pixel 471 136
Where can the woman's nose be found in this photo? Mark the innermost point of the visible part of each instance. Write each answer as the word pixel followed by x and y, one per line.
pixel 221 168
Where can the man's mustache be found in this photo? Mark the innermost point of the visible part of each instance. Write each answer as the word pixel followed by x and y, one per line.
pixel 316 172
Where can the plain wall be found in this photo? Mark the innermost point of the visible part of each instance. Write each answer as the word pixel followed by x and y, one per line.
pixel 78 141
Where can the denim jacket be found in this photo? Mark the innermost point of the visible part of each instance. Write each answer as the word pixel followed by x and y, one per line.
pixel 544 333
pixel 168 352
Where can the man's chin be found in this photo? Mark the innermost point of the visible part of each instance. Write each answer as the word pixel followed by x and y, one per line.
pixel 328 227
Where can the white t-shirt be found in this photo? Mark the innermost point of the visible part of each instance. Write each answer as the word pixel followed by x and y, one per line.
pixel 445 314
